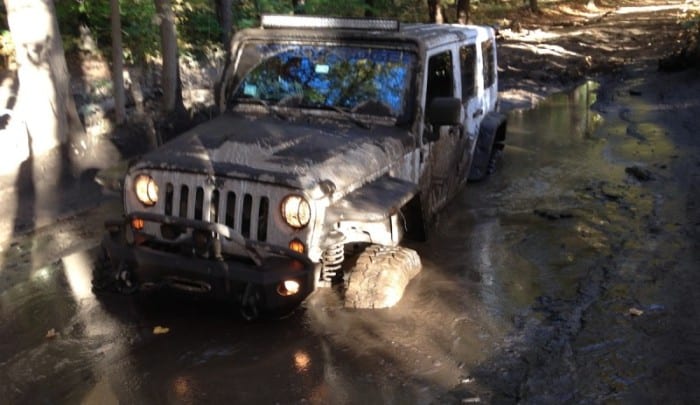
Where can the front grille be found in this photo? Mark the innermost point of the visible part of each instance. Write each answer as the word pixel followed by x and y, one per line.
pixel 246 213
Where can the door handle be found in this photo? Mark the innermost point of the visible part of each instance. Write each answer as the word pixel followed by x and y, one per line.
pixel 478 112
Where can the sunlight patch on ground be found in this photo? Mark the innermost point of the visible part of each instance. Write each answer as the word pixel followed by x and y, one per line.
pixel 653 9
pixel 78 270
pixel 528 35
pixel 591 13
pixel 544 49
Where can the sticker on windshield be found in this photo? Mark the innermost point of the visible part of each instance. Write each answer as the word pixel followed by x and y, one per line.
pixel 322 69
pixel 250 90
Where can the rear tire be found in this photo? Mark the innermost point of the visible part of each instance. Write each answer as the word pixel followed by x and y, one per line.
pixel 380 276
pixel 489 146
pixel 486 157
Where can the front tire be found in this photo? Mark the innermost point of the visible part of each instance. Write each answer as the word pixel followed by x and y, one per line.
pixel 380 276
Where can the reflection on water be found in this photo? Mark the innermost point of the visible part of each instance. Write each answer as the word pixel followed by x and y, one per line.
pixel 490 235
pixel 302 361
pixel 560 120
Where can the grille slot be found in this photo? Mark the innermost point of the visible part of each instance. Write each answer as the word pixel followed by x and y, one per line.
pixel 169 199
pixel 262 218
pixel 214 206
pixel 184 194
pixel 247 210
pixel 198 203
pixel 231 210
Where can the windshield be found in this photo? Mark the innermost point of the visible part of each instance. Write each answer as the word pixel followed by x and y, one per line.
pixel 358 79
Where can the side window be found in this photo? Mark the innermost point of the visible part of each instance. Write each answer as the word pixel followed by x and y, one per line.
pixel 467 60
pixel 487 51
pixel 440 77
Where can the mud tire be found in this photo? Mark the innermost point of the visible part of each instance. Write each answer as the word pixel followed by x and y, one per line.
pixel 488 153
pixel 102 273
pixel 380 276
pixel 111 277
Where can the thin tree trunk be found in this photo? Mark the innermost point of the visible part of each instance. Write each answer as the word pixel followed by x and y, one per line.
pixel 117 63
pixel 463 11
pixel 45 116
pixel 44 90
pixel 224 14
pixel 533 5
pixel 172 88
pixel 435 11
pixel 298 6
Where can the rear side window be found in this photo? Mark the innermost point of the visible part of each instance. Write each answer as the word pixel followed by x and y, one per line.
pixel 489 61
pixel 440 77
pixel 467 60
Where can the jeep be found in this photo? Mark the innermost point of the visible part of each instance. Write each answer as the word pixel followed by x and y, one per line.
pixel 336 138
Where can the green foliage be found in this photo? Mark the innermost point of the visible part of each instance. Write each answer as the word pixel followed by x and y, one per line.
pixel 139 34
pixel 7 48
pixel 246 14
pixel 198 27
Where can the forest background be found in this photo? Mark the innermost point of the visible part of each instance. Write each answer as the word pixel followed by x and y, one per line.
pixel 137 72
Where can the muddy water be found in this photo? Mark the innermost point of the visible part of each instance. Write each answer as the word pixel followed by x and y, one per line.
pixel 509 271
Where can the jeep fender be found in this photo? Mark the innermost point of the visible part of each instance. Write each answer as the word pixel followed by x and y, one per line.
pixel 367 213
pixel 492 135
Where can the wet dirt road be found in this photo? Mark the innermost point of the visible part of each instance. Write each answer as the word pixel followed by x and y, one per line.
pixel 567 277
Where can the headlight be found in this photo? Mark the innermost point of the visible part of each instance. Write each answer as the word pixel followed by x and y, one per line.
pixel 146 189
pixel 296 211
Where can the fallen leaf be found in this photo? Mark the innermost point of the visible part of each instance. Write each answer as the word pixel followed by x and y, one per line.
pixel 51 334
pixel 160 330
pixel 635 312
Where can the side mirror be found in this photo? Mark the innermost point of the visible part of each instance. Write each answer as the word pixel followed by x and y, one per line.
pixel 442 111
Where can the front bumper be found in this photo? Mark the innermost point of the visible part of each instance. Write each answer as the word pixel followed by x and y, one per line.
pixel 257 280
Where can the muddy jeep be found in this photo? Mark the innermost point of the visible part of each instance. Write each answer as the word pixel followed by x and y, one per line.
pixel 335 136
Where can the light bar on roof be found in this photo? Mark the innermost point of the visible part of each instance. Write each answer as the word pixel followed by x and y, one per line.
pixel 310 22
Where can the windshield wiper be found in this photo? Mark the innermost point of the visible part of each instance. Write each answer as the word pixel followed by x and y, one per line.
pixel 269 107
pixel 349 115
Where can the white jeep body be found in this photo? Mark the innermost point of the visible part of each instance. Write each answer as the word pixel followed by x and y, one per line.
pixel 370 166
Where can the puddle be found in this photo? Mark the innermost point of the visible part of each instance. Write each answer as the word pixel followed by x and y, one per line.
pixel 503 238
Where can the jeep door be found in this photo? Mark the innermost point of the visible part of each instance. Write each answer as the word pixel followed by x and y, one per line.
pixel 446 152
pixel 472 100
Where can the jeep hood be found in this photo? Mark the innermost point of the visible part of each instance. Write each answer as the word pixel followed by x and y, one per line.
pixel 270 150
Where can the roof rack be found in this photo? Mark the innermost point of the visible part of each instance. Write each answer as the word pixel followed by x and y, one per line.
pixel 311 22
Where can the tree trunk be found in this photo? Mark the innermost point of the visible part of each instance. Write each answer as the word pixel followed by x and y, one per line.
pixel 117 63
pixel 435 11
pixel 224 14
pixel 463 11
pixel 299 6
pixel 369 8
pixel 533 5
pixel 172 87
pixel 44 101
